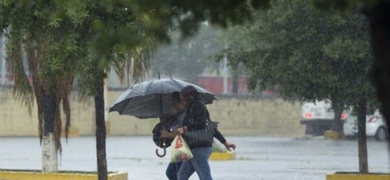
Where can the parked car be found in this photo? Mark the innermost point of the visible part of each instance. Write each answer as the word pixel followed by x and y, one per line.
pixel 318 117
pixel 375 126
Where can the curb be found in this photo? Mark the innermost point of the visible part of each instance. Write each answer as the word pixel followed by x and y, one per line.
pixel 357 176
pixel 61 175
pixel 223 156
pixel 331 135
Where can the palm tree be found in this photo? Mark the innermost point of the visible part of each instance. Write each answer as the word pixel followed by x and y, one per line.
pixel 56 50
pixel 34 50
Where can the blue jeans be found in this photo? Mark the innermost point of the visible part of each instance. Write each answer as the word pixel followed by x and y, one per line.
pixel 199 164
pixel 172 170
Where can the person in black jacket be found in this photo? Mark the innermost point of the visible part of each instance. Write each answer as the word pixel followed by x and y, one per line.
pixel 169 133
pixel 195 119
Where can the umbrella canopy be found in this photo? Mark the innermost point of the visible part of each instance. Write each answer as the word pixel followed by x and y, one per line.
pixel 153 98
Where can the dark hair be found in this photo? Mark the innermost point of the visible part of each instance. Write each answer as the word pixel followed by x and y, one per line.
pixel 176 97
pixel 189 92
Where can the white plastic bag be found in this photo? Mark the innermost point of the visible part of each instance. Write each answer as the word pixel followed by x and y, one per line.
pixel 180 150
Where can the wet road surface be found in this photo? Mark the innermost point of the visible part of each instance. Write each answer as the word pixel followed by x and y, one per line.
pixel 257 158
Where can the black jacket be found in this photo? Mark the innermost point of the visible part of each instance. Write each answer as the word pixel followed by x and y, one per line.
pixel 196 118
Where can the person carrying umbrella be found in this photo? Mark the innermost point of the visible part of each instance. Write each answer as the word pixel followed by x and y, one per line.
pixel 195 118
pixel 168 131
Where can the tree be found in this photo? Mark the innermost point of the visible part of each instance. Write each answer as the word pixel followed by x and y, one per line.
pixel 308 55
pixel 32 29
pixel 296 37
pixel 378 16
pixel 120 57
pixel 97 65
pixel 56 36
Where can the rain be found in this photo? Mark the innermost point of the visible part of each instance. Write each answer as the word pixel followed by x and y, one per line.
pixel 291 89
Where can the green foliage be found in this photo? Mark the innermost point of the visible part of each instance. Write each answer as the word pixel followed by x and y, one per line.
pixel 342 5
pixel 163 16
pixel 333 4
pixel 305 54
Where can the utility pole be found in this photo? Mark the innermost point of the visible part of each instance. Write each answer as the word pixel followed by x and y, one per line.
pixel 225 72
pixel 2 60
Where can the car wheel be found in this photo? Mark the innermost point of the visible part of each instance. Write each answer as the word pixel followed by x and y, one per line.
pixel 381 134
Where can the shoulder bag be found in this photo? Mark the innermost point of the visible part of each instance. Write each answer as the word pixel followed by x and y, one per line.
pixel 201 136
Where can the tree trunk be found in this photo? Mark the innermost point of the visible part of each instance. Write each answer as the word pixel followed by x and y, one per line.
pixel 100 131
pixel 337 122
pixel 362 138
pixel 379 18
pixel 49 149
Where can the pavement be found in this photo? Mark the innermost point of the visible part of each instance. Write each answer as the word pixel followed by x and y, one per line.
pixel 257 158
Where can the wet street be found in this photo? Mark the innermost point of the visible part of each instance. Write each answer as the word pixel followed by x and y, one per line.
pixel 267 158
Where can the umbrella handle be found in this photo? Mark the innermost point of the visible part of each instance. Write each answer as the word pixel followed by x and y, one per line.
pixel 164 153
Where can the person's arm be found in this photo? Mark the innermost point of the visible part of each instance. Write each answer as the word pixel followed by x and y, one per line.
pixel 198 113
pixel 168 134
pixel 229 146
pixel 219 136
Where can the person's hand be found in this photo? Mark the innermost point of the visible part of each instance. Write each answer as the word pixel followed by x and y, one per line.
pixel 181 130
pixel 230 146
pixel 164 133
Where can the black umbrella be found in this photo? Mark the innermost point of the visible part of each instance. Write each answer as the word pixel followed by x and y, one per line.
pixel 153 98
